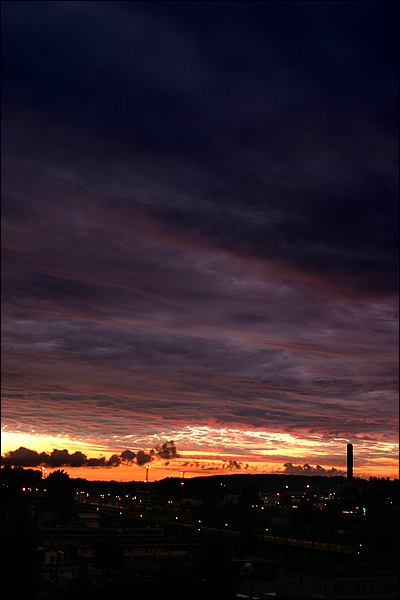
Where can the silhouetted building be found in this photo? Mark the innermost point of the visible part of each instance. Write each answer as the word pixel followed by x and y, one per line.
pixel 349 464
pixel 331 581
pixel 143 543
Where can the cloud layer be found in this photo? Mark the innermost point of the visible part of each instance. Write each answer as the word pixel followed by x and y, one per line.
pixel 309 470
pixel 200 223
pixel 24 457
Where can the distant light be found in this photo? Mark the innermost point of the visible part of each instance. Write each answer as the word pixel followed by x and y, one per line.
pixel 307 486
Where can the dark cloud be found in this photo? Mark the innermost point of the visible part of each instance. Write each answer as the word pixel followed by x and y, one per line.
pixel 77 459
pixel 96 462
pixel 283 168
pixel 24 457
pixel 114 461
pixel 142 458
pixel 58 458
pixel 232 465
pixel 200 220
pixel 309 470
pixel 127 456
pixel 167 450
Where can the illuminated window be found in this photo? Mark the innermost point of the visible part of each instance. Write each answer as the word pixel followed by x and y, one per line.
pixel 314 583
pixel 335 588
pixel 318 584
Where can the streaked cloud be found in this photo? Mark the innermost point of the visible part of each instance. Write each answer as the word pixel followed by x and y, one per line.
pixel 200 228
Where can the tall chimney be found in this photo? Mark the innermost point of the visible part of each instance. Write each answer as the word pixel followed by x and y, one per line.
pixel 349 464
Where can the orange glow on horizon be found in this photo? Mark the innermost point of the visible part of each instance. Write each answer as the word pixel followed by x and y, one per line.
pixel 41 443
pixel 195 463
pixel 135 473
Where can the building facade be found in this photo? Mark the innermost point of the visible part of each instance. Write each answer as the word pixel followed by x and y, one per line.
pixel 341 582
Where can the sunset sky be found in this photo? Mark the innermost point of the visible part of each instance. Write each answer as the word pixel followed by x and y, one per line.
pixel 200 237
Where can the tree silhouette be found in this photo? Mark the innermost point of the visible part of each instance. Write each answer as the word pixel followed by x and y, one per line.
pixel 59 491
pixel 19 541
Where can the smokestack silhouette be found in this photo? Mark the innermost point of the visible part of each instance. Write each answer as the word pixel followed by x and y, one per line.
pixel 349 464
